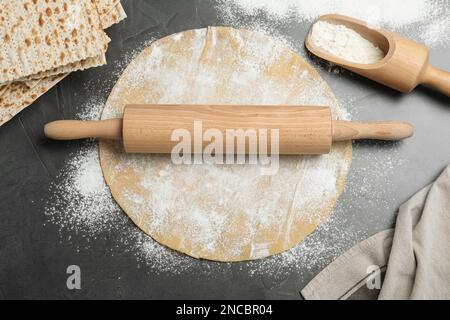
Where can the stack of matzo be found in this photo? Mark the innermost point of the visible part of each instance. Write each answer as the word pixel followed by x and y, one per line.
pixel 41 41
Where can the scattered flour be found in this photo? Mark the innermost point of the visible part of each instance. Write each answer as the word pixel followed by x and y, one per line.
pixel 222 197
pixel 422 20
pixel 81 201
pixel 392 13
pixel 93 214
pixel 90 212
pixel 81 205
pixel 345 43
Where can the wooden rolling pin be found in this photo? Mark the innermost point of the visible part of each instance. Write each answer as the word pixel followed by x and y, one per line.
pixel 302 130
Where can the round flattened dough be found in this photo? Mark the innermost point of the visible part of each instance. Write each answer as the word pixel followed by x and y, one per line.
pixel 223 212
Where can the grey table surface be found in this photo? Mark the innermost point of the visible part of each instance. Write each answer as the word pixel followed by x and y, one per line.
pixel 33 259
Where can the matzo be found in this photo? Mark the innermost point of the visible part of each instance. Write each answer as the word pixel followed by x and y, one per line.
pixel 42 35
pixel 19 95
pixel 111 12
pixel 16 96
pixel 71 67
pixel 108 17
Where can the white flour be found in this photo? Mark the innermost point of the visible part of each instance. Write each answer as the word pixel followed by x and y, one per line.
pixel 416 19
pixel 92 214
pixel 82 197
pixel 201 204
pixel 392 13
pixel 81 204
pixel 345 43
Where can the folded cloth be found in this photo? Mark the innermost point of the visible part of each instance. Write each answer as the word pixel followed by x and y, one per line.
pixel 415 256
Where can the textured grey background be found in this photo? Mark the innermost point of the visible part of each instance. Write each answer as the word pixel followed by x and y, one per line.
pixel 33 260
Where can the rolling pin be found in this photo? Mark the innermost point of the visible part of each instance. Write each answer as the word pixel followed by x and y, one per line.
pixel 301 129
pixel 404 67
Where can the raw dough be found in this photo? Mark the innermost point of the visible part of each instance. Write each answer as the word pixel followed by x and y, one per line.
pixel 228 212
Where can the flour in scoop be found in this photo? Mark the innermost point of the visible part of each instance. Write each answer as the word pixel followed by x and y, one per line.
pixel 425 21
pixel 81 207
pixel 345 43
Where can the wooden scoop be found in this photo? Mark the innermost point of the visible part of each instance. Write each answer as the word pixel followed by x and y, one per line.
pixel 302 130
pixel 404 66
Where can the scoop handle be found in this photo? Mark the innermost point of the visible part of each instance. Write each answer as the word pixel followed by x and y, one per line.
pixel 386 130
pixel 437 78
pixel 75 129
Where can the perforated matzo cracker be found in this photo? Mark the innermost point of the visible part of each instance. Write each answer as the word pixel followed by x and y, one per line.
pixel 40 35
pixel 20 95
pixel 111 12
pixel 17 95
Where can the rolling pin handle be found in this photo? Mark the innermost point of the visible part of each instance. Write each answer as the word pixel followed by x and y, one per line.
pixel 388 131
pixel 437 78
pixel 74 129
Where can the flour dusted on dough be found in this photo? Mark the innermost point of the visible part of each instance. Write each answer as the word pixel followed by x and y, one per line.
pixel 96 216
pixel 345 43
pixel 228 212
pixel 425 21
